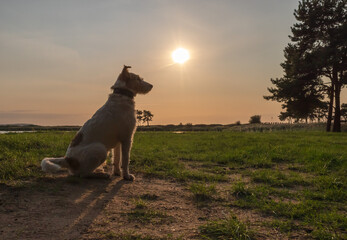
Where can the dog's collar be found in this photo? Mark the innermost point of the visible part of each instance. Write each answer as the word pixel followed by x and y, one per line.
pixel 125 92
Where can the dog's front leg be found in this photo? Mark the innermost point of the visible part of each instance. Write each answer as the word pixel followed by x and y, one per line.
pixel 116 160
pixel 126 146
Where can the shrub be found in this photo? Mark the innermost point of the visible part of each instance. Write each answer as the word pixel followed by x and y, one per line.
pixel 255 119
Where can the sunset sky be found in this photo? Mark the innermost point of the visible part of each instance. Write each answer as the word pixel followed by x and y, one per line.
pixel 58 59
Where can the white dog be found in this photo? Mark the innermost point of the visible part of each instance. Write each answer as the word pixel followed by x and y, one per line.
pixel 111 127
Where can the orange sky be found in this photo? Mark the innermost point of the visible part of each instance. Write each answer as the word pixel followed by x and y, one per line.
pixel 59 58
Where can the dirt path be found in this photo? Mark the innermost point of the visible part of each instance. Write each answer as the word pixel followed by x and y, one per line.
pixel 57 207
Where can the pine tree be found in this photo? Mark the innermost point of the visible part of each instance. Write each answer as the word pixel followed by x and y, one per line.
pixel 318 51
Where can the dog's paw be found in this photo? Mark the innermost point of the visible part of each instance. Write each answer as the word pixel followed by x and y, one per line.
pixel 129 177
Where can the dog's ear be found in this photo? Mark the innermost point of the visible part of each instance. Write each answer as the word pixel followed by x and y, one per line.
pixel 125 72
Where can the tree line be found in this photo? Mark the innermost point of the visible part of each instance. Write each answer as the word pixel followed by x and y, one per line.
pixel 315 66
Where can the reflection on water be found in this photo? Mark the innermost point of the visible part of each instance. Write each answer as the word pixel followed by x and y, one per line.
pixel 178 132
pixel 5 132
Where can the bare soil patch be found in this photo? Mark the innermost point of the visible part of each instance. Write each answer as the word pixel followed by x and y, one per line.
pixel 57 207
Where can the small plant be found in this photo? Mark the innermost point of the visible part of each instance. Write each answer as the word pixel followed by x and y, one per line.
pixel 239 190
pixel 230 228
pixel 203 192
pixel 143 214
pixel 140 204
pixel 149 197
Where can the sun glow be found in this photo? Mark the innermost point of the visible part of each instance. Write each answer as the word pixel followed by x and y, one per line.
pixel 180 55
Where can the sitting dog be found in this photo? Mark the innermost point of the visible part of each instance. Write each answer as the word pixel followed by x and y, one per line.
pixel 111 127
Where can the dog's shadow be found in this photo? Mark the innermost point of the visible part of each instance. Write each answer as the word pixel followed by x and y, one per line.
pixel 98 193
pixel 71 203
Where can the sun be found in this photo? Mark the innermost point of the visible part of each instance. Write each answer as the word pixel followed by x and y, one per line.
pixel 180 55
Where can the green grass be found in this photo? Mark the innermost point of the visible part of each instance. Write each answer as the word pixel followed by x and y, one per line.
pixel 230 228
pixel 203 192
pixel 284 226
pixel 240 190
pixel 21 154
pixel 276 178
pixel 292 176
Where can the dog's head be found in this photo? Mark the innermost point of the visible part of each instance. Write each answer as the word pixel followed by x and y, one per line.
pixel 132 82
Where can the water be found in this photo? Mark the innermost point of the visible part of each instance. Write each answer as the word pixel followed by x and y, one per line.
pixel 6 132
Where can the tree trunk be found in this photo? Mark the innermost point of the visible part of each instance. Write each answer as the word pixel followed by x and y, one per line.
pixel 330 109
pixel 337 115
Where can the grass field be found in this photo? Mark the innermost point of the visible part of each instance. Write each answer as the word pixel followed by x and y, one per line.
pixel 295 181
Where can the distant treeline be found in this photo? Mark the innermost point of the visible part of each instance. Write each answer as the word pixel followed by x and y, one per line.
pixel 32 127
pixel 262 127
pixel 185 127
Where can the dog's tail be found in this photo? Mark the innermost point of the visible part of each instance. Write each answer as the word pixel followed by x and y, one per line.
pixel 53 164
